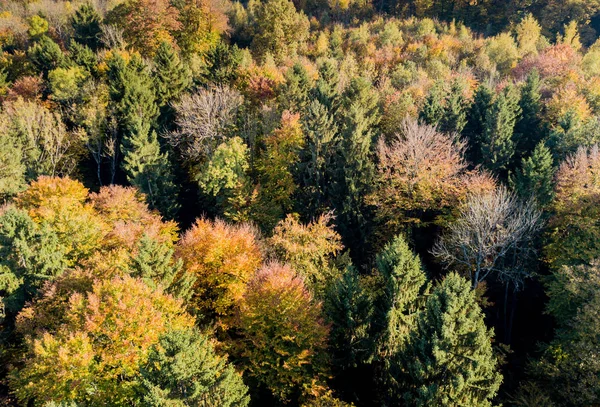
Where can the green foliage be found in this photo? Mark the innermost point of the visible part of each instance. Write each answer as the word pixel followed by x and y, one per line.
pixel 529 129
pixel 30 255
pixel 222 63
pixel 86 26
pixel 65 82
pixel 449 359
pixel 46 54
pixel 171 76
pixel 432 110
pixel 155 265
pixel 294 94
pixel 12 168
pixel 183 369
pixel 38 26
pixel 280 29
pixel 150 170
pixel 498 146
pixel 536 175
pixel 476 122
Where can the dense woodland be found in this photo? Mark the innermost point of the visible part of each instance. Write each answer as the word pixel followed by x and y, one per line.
pixel 317 203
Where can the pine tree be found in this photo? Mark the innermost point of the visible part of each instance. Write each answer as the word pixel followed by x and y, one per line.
pixel 536 175
pixel 171 76
pixel 86 26
pixel 529 128
pixel 432 111
pixel 498 146
pixel 183 369
pixel 449 359
pixel 482 102
pixel 349 309
pixel 154 263
pixel 149 169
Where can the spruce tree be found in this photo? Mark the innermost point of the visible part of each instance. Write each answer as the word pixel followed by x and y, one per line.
pixel 473 131
pixel 149 169
pixel 355 167
pixel 294 93
pixel 317 157
pixel 46 55
pixel 536 175
pixel 349 309
pixel 171 76
pixel 432 111
pixel 86 26
pixel 222 62
pixel 183 369
pixel 529 128
pixel 325 90
pixel 154 263
pixel 449 360
pixel 498 146
pixel 454 118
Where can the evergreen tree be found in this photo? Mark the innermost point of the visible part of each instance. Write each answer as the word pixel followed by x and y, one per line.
pixel 149 169
pixel 432 111
pixel 317 157
pixel 455 113
pixel 154 263
pixel 536 175
pixel 46 55
pixel 86 26
pixel 222 62
pixel 12 168
pixel 529 128
pixel 355 167
pixel 183 369
pixel 294 95
pixel 325 90
pixel 171 76
pixel 482 103
pixel 498 146
pixel 83 56
pixel 449 359
pixel 404 287
pixel 349 309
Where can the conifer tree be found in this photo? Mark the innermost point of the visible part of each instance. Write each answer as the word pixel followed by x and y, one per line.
pixel 454 118
pixel 404 286
pixel 349 310
pixel 222 62
pixel 149 169
pixel 325 90
pixel 449 358
pixel 46 55
pixel 529 128
pixel 86 26
pixel 432 111
pixel 183 369
pixel 154 263
pixel 294 95
pixel 355 164
pixel 498 146
pixel 482 102
pixel 171 76
pixel 536 175
pixel 12 168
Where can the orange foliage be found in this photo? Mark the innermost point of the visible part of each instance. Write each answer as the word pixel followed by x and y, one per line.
pixel 223 257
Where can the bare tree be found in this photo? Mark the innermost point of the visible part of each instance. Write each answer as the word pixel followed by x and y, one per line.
pixel 202 119
pixel 491 236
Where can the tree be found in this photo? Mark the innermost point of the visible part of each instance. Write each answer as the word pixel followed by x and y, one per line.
pixel 203 119
pixel 46 55
pixel 145 23
pixel 150 170
pixel 95 354
pixel 474 129
pixel 309 249
pixel 449 359
pixel 223 258
pixel 200 25
pixel 573 233
pixel 30 255
pixel 86 24
pixel 280 29
pixel 420 170
pixel 432 110
pixel 528 35
pixel 455 113
pixel 282 334
pixel 171 76
pixel 498 146
pixel 491 236
pixel 295 90
pixel 183 369
pixel 529 129
pixel 12 168
pixel 224 176
pixel 155 265
pixel 536 175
